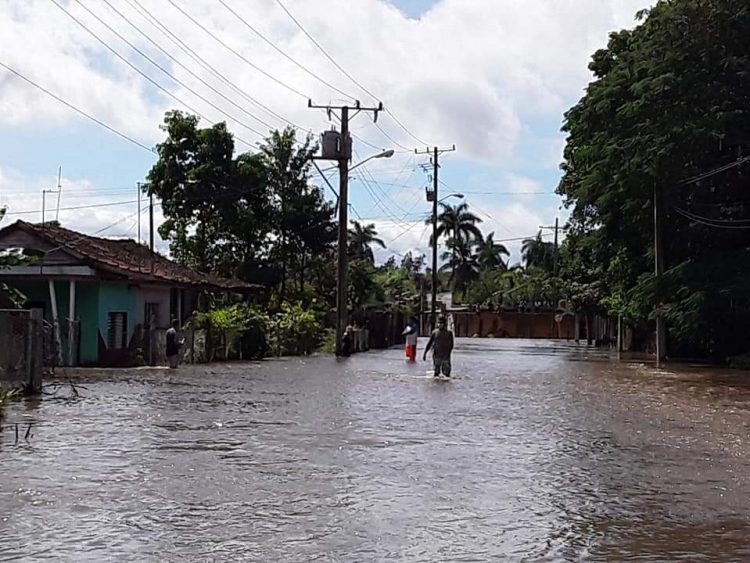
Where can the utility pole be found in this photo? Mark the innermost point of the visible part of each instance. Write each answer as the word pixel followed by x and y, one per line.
pixel 342 152
pixel 661 336
pixel 557 228
pixel 436 152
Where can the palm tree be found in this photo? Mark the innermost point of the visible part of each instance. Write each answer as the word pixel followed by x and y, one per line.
pixel 457 222
pixel 461 262
pixel 361 239
pixel 490 253
pixel 538 254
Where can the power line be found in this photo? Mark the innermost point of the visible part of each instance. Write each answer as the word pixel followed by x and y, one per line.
pixel 283 53
pixel 713 223
pixel 237 53
pixel 185 48
pixel 188 70
pixel 349 76
pixel 90 206
pixel 322 50
pixel 135 68
pixel 74 108
pixel 716 171
pixel 172 76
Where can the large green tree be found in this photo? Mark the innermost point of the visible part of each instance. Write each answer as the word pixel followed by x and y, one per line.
pixel 669 101
pixel 302 220
pixel 216 206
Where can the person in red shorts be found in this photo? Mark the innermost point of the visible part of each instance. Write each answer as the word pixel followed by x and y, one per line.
pixel 412 337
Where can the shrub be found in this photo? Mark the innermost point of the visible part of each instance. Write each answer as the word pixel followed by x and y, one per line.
pixel 5 396
pixel 296 329
pixel 240 328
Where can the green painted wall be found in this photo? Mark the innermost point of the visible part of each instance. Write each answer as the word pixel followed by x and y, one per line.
pixel 116 297
pixel 87 310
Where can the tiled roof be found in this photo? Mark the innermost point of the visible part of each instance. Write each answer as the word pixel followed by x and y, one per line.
pixel 128 258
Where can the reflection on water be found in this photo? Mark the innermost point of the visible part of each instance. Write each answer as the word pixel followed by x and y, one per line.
pixel 536 451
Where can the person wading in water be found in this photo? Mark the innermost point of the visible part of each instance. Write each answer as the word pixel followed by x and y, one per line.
pixel 441 343
pixel 173 345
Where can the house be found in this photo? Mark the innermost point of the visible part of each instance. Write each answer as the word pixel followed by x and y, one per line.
pixel 104 299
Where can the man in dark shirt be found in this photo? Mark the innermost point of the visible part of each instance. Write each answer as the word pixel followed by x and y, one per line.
pixel 173 345
pixel 441 343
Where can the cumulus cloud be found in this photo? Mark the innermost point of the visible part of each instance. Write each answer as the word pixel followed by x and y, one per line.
pixel 491 77
pixel 464 72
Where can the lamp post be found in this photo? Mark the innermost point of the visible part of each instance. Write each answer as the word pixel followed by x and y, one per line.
pixel 435 201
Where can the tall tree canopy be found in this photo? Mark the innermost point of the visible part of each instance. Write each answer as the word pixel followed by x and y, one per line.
pixel 669 102
pixel 255 216
pixel 215 206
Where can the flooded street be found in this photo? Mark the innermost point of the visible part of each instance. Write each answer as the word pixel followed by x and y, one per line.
pixel 535 452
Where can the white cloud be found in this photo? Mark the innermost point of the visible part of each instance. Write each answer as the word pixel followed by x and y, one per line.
pixel 109 213
pixel 466 72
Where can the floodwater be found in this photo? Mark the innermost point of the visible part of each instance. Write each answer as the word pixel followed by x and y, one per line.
pixel 535 452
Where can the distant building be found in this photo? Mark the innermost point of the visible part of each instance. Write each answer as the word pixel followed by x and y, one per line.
pixel 104 299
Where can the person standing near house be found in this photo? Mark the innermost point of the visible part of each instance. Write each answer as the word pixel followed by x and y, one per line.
pixel 441 344
pixel 412 338
pixel 173 344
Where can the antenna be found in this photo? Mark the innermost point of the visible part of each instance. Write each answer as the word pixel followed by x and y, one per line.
pixel 59 191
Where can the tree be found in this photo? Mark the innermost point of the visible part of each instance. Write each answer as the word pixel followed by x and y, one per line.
pixel 215 206
pixel 361 239
pixel 538 254
pixel 490 253
pixel 461 262
pixel 457 222
pixel 664 107
pixel 301 219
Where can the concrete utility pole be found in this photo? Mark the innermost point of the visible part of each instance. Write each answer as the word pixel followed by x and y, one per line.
pixel 557 228
pixel 343 155
pixel 661 335
pixel 436 152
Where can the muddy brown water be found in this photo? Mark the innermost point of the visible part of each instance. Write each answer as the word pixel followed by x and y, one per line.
pixel 537 451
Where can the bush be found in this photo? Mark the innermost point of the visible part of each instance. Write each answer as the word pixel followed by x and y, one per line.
pixel 240 328
pixel 296 330
pixel 328 345
pixel 7 395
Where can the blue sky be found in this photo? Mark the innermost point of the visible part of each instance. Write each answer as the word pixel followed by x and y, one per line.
pixel 492 77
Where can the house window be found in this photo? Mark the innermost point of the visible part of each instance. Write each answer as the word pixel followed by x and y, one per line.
pixel 117 331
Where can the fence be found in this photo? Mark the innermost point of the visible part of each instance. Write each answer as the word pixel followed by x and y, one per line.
pixel 21 349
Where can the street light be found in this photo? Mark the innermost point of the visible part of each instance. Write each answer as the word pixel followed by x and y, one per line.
pixel 388 153
pixel 459 196
pixel 433 306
